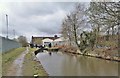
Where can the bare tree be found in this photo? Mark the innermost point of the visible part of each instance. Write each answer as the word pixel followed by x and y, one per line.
pixel 66 30
pixel 75 24
pixel 105 15
pixel 101 16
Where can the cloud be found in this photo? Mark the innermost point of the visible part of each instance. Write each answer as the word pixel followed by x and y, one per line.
pixel 46 0
pixel 39 8
pixel 34 18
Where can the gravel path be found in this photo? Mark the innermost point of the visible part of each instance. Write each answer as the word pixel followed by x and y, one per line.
pixel 16 68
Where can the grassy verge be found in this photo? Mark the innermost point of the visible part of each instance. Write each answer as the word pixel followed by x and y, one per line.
pixel 8 58
pixel 32 67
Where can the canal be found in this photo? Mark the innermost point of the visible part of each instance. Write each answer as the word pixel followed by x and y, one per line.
pixel 62 64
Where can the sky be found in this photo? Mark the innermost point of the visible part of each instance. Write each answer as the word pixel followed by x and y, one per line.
pixel 33 18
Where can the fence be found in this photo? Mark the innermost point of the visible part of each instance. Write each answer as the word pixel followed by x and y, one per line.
pixel 7 44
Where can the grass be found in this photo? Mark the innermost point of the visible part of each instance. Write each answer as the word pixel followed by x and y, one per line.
pixel 8 58
pixel 108 43
pixel 32 67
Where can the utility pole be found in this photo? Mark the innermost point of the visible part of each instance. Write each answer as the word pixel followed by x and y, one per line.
pixel 7 25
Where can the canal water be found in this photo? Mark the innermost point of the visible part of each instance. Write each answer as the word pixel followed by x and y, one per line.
pixel 62 64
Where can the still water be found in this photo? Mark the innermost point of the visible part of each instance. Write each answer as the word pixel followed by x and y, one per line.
pixel 62 64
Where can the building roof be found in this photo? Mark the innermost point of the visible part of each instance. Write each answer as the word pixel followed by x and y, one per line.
pixel 53 38
pixel 34 38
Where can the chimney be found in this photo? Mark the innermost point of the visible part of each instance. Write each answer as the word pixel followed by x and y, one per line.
pixel 55 36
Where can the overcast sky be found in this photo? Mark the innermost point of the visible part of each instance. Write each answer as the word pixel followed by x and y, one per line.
pixel 34 18
pixel 38 18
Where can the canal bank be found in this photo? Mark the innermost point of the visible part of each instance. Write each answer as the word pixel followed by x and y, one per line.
pixel 97 53
pixel 64 64
pixel 31 65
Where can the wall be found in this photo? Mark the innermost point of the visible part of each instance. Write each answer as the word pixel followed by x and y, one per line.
pixel 7 44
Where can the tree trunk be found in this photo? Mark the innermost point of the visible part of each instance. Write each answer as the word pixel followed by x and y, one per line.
pixel 112 32
pixel 75 35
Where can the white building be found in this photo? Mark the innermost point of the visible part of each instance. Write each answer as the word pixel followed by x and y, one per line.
pixel 47 41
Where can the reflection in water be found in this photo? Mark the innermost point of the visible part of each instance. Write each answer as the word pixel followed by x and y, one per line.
pixel 50 53
pixel 60 64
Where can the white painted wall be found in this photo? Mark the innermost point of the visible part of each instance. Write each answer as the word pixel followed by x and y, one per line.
pixel 47 41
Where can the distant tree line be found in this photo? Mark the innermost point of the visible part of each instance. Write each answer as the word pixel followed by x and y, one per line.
pixel 23 41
